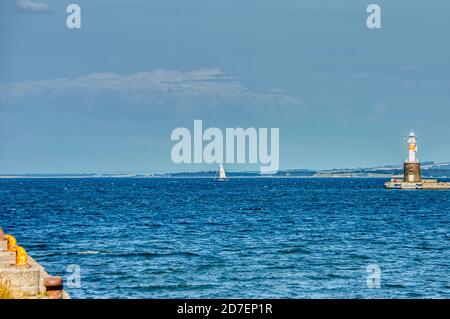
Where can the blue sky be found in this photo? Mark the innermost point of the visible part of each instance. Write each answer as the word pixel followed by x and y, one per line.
pixel 105 98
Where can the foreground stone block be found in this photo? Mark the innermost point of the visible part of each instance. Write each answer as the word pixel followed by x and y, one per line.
pixel 3 245
pixel 42 273
pixel 22 282
pixel 7 258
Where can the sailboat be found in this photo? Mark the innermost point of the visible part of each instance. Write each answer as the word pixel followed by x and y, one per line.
pixel 221 177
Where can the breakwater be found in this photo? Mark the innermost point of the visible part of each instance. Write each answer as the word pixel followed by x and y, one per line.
pixel 22 277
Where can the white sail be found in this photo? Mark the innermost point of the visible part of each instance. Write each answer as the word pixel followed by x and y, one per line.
pixel 222 174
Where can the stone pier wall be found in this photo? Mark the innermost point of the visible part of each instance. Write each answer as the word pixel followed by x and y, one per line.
pixel 25 281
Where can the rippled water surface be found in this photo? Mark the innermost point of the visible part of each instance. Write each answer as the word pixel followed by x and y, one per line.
pixel 255 238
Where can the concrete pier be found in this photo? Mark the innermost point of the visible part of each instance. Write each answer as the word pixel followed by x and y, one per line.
pixel 423 184
pixel 22 281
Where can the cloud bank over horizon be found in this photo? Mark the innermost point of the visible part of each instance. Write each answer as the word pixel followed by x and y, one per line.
pixel 209 83
pixel 32 6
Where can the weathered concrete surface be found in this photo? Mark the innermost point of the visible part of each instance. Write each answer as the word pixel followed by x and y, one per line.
pixel 7 258
pixel 23 282
pixel 42 273
pixel 3 245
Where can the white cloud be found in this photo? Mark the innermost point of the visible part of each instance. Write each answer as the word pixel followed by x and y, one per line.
pixel 32 6
pixel 208 83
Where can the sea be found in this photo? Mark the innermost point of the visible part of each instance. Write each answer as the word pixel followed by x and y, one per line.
pixel 245 238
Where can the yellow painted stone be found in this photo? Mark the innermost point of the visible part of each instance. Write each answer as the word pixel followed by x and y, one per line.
pixel 11 242
pixel 21 256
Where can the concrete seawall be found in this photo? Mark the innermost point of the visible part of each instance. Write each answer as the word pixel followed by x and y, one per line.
pixel 22 277
pixel 430 184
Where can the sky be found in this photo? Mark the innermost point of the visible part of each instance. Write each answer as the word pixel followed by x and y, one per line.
pixel 105 98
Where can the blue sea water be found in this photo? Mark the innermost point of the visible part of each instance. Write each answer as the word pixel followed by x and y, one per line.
pixel 248 238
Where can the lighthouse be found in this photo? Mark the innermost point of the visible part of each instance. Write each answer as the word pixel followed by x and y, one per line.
pixel 411 172
pixel 412 165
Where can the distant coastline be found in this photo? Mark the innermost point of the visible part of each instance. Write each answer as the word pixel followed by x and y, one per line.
pixel 184 177
pixel 429 170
